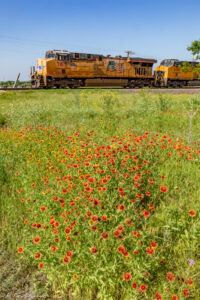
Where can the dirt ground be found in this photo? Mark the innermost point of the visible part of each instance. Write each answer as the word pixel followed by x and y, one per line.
pixel 188 91
pixel 19 282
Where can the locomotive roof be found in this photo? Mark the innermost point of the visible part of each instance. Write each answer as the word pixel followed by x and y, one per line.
pixel 177 62
pixel 134 59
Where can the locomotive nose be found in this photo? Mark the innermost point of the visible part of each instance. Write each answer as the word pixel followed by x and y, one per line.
pixel 159 78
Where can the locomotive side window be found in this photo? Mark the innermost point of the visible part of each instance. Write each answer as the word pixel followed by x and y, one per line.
pixel 63 57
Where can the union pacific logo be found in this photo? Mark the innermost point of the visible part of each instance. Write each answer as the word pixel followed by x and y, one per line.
pixel 41 67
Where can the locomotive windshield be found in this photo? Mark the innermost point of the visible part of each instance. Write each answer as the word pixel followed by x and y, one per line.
pixel 59 54
pixel 168 62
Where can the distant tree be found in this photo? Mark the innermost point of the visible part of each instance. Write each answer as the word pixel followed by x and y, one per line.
pixel 195 49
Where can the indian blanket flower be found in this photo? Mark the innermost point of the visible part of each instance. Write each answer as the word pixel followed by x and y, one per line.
pixel 158 296
pixel 134 285
pixel 127 276
pixel 150 251
pixel 36 239
pixel 174 297
pixel 66 259
pixel 190 281
pixel 143 287
pixel 20 250
pixel 146 213
pixel 94 250
pixel 37 255
pixel 192 212
pixel 170 276
pixel 186 292
pixel 163 189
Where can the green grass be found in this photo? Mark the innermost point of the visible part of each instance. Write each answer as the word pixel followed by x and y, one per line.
pixel 109 114
pixel 70 111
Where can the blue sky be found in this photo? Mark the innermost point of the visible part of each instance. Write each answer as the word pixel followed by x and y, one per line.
pixel 151 28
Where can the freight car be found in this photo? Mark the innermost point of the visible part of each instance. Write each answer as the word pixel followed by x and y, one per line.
pixel 175 73
pixel 62 69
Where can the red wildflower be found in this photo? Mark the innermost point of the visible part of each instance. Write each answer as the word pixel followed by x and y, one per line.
pixel 94 219
pixel 64 191
pixel 41 265
pixel 134 285
pixel 186 292
pixel 94 250
pixel 36 239
pixel 89 213
pixel 158 296
pixel 174 297
pixel 53 248
pixel 94 228
pixel 146 213
pixel 91 180
pixel 192 212
pixel 170 276
pixel 66 259
pixel 143 287
pixel 127 276
pixel 104 218
pixel 122 207
pixel 163 189
pixel 150 251
pixel 189 281
pixel 120 228
pixel 69 253
pixel 116 233
pixel 154 244
pixel 20 250
pixel 128 222
pixel 43 208
pixel 104 235
pixel 67 230
pixel 121 248
pixel 37 255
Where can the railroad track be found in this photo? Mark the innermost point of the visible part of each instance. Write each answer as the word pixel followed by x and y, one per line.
pixel 185 90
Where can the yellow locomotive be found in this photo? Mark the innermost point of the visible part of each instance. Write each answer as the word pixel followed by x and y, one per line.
pixel 173 73
pixel 62 69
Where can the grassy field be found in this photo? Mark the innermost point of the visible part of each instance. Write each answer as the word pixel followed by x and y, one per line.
pixel 99 195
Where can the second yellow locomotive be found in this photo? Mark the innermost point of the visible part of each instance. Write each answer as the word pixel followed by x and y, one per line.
pixel 175 73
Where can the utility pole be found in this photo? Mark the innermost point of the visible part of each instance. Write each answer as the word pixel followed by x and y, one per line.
pixel 129 52
pixel 14 85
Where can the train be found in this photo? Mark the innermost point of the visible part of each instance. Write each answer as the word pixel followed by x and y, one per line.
pixel 64 69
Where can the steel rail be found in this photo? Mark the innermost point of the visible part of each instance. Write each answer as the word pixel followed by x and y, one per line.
pixel 106 88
